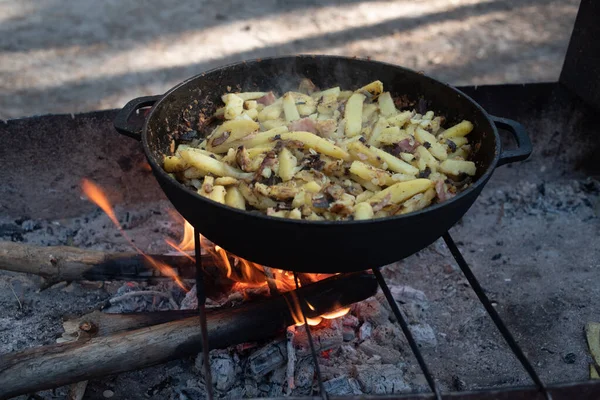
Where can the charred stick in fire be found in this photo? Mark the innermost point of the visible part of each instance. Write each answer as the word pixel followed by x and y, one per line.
pixel 291 361
pixel 271 281
pixel 64 263
pixel 98 323
pixel 96 356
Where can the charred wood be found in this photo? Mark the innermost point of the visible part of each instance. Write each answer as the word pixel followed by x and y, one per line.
pixel 96 356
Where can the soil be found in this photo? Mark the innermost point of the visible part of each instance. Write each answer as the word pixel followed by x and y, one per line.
pixel 80 55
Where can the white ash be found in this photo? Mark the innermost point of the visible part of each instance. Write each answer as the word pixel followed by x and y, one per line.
pixel 381 378
pixel 362 352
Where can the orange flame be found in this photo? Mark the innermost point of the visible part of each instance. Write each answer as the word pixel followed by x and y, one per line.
pixel 97 196
pixel 337 313
pixel 296 311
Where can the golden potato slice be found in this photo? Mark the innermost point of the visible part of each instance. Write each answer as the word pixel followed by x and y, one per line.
pixel 216 167
pixel 317 143
pixel 369 173
pixel 287 164
pixel 363 211
pixel 353 114
pixel 457 167
pixel 394 163
pixel 229 132
pixel 400 192
pixel 386 105
pixel 234 198
pixel 458 130
pixel 174 164
pixel 436 149
pixel 289 108
pixel 234 106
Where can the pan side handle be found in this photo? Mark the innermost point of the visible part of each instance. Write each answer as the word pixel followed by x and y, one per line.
pixel 122 123
pixel 524 148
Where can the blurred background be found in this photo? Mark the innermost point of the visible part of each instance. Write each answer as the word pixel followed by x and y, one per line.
pixel 70 56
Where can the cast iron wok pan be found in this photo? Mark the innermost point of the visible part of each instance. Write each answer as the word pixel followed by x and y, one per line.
pixel 315 246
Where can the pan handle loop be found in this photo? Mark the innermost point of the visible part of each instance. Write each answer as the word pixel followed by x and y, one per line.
pixel 524 147
pixel 122 123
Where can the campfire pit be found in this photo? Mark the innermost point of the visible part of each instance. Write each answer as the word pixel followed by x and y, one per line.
pixel 550 195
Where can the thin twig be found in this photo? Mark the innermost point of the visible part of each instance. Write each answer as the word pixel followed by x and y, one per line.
pixel 16 297
pixel 145 293
pixel 291 360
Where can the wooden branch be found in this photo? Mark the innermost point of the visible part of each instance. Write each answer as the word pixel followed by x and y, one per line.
pixel 96 356
pixel 64 263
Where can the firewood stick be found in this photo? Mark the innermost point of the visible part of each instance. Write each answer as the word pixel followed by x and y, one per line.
pixel 56 365
pixel 65 263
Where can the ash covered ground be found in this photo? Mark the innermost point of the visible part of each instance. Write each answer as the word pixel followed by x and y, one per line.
pixel 81 55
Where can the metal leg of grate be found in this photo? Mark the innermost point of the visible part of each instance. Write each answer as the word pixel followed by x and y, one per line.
pixel 512 343
pixel 201 296
pixel 411 341
pixel 312 347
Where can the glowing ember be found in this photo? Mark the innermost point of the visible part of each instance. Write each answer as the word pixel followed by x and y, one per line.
pixel 97 196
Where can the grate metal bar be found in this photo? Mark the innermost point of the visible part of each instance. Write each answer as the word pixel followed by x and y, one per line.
pixel 201 296
pixel 411 341
pixel 510 340
pixel 312 346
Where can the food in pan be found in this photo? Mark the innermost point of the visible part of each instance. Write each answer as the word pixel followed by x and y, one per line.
pixel 328 154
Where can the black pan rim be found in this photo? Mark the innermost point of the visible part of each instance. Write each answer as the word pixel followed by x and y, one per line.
pixel 179 186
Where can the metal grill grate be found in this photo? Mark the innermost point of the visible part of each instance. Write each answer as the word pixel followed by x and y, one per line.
pixel 435 391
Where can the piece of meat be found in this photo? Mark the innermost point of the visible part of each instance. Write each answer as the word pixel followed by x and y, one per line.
pixel 304 124
pixel 267 99
pixel 326 128
pixel 441 191
pixel 406 147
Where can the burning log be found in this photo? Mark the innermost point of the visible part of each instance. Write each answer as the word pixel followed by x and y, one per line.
pixel 96 356
pixel 64 263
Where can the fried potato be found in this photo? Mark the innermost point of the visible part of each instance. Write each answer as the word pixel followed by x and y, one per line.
pixel 353 114
pixel 458 130
pixel 289 108
pixel 174 164
pixel 386 105
pixel 229 132
pixel 436 149
pixel 234 198
pixel 216 167
pixel 234 106
pixel 356 156
pixel 401 191
pixel 457 167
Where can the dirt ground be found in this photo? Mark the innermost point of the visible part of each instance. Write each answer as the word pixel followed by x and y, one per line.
pixel 80 55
